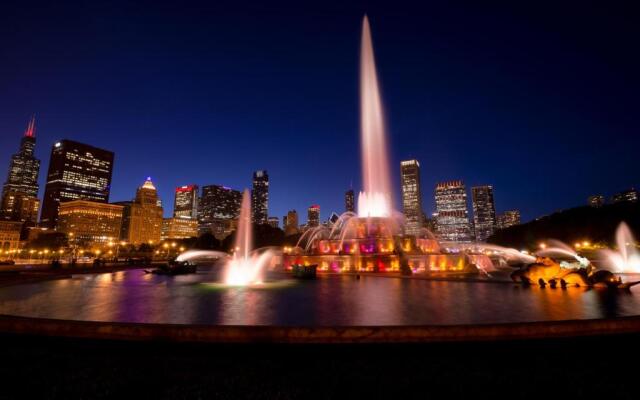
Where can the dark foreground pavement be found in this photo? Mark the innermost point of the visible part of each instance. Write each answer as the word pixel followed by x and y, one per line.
pixel 53 368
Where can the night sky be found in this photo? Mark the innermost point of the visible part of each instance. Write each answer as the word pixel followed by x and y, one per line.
pixel 538 99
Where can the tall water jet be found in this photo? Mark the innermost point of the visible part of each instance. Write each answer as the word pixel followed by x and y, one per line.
pixel 244 268
pixel 375 199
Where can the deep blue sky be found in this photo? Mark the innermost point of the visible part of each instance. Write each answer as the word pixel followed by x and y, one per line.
pixel 538 99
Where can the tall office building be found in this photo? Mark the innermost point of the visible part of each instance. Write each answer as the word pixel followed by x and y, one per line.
pixel 20 191
pixel 508 218
pixel 291 227
pixel 77 171
pixel 186 202
pixel 453 215
pixel 260 197
pixel 313 216
pixel 411 196
pixel 218 206
pixel 350 201
pixel 144 216
pixel 484 212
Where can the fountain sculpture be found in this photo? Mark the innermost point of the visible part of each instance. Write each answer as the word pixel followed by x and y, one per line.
pixel 373 239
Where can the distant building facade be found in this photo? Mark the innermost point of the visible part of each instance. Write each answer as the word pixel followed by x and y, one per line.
pixel 630 196
pixel 350 201
pixel 260 197
pixel 411 196
pixel 484 212
pixel 90 222
pixel 20 190
pixel 186 202
pixel 179 228
pixel 508 219
pixel 218 206
pixel 313 216
pixel 453 215
pixel 77 171
pixel 9 236
pixel 144 219
pixel 17 206
pixel 596 201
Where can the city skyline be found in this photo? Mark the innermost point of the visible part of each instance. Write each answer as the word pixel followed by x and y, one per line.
pixel 448 146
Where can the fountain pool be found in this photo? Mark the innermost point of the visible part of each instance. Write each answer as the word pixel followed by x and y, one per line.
pixel 331 300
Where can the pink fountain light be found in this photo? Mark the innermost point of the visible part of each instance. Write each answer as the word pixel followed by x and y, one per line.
pixel 375 199
pixel 626 259
pixel 245 268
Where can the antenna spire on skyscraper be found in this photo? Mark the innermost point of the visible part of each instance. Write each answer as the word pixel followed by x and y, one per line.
pixel 31 127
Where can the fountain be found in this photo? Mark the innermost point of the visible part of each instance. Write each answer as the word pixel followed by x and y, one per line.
pixel 375 200
pixel 245 268
pixel 373 239
pixel 558 248
pixel 626 259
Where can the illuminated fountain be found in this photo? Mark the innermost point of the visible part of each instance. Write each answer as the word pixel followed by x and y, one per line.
pixel 245 268
pixel 626 259
pixel 373 239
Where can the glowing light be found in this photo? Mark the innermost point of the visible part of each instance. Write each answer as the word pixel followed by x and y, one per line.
pixel 244 268
pixel 375 200
pixel 626 258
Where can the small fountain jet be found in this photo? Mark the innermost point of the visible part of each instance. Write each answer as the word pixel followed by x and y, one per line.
pixel 626 259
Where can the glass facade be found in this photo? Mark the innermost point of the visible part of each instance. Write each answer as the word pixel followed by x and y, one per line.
pixel 453 215
pixel 186 202
pixel 260 197
pixel 76 172
pixel 484 212
pixel 218 205
pixel 411 196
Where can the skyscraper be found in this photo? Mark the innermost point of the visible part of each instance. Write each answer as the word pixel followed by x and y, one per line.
pixel 484 212
pixel 350 201
pixel 186 202
pixel 260 197
pixel 144 216
pixel 313 216
pixel 411 196
pixel 20 191
pixel 453 216
pixel 77 171
pixel 218 206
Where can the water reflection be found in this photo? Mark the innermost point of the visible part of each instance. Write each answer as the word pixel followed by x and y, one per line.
pixel 134 296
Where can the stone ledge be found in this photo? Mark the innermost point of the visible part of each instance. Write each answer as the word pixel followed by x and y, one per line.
pixel 348 334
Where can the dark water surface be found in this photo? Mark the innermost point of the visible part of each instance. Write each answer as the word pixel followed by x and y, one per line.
pixel 133 296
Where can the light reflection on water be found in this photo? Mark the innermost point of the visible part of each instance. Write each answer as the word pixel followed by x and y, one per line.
pixel 134 296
